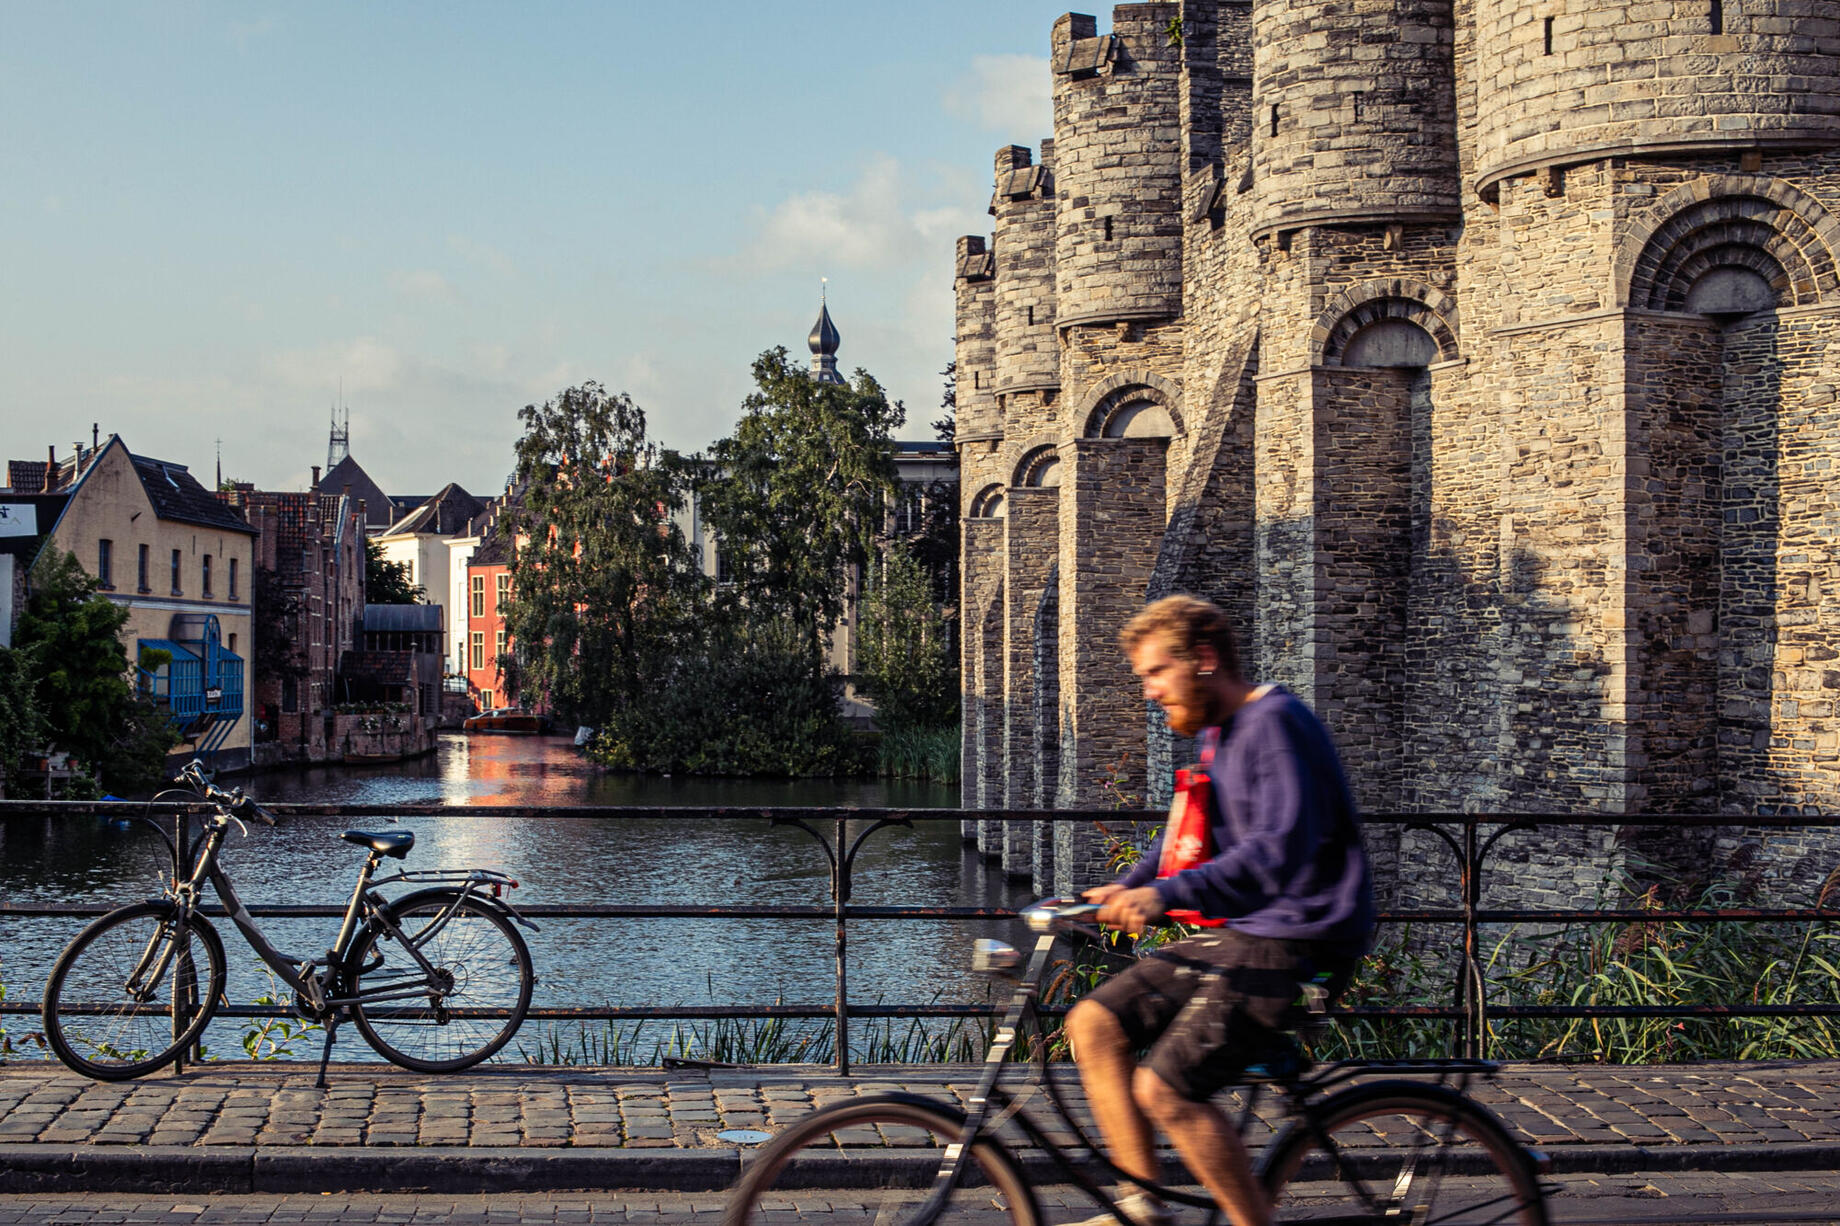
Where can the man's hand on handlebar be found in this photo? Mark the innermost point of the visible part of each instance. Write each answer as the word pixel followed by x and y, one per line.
pixel 1128 910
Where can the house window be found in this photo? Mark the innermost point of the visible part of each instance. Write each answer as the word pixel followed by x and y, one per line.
pixel 207 575
pixel 233 644
pixel 233 578
pixel 501 641
pixel 177 589
pixel 105 562
pixel 479 649
pixel 504 589
pixel 477 606
pixel 143 565
pixel 486 699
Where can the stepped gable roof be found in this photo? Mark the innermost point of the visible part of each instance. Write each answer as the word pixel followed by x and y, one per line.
pixel 377 510
pixel 446 514
pixel 176 495
pixel 402 618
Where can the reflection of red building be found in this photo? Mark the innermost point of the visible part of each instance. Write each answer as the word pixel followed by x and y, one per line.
pixel 488 591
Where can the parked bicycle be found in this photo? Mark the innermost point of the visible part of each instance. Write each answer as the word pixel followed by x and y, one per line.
pixel 436 980
pixel 1353 1149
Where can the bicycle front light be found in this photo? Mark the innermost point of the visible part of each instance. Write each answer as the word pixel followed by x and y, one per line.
pixel 994 958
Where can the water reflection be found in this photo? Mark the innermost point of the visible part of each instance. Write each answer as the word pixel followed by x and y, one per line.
pixel 560 860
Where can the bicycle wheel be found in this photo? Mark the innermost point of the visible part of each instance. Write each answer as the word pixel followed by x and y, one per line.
pixel 472 1005
pixel 109 1003
pixel 1401 1152
pixel 884 1152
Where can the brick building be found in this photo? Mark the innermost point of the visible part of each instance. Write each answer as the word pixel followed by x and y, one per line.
pixel 1474 356
pixel 309 561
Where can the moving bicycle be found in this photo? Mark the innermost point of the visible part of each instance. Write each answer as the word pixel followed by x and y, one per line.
pixel 1396 1142
pixel 436 980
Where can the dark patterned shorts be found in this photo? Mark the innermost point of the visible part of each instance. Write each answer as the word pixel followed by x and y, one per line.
pixel 1206 1007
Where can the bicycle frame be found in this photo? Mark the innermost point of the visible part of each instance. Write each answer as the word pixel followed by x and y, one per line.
pixel 990 1099
pixel 365 905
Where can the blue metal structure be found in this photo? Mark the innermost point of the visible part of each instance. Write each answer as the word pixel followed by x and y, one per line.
pixel 203 685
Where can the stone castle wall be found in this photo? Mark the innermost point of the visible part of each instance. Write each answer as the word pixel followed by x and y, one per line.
pixel 1477 358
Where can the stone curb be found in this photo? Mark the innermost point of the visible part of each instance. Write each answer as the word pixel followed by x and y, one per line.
pixel 471 1171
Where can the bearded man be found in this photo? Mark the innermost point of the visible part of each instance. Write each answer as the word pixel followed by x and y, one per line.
pixel 1286 872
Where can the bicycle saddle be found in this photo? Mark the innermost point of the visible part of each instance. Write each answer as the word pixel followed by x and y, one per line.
pixel 394 843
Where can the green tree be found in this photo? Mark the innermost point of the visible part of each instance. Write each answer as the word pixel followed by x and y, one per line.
pixel 907 665
pixel 799 493
pixel 72 635
pixel 22 724
pixel 388 582
pixel 605 583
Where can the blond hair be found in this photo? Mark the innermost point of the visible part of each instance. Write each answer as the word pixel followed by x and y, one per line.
pixel 1185 623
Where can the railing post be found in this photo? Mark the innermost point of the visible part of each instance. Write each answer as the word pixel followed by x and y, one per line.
pixel 1470 880
pixel 840 895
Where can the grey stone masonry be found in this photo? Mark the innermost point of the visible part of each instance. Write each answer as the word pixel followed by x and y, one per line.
pixel 1028 358
pixel 1355 112
pixel 1495 387
pixel 1113 500
pixel 1567 84
pixel 1117 169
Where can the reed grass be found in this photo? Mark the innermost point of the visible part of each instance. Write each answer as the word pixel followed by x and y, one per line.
pixel 920 753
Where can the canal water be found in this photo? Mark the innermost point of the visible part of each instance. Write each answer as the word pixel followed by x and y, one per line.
pixel 562 860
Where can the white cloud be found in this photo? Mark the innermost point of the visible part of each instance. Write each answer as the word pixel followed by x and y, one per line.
pixel 870 226
pixel 1008 94
pixel 423 284
pixel 482 254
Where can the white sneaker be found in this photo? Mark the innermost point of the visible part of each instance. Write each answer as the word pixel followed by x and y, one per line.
pixel 1139 1208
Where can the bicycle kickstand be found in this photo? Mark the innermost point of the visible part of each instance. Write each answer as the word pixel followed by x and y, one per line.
pixel 325 1055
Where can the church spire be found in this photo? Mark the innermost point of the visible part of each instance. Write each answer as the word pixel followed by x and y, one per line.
pixel 824 340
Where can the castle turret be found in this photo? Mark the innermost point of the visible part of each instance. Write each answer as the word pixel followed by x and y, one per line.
pixel 1354 113
pixel 976 350
pixel 1117 167
pixel 1563 85
pixel 1027 353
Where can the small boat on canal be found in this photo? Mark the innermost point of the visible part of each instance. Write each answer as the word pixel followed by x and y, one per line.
pixel 514 720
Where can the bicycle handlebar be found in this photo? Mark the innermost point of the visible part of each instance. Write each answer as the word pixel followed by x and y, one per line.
pixel 232 802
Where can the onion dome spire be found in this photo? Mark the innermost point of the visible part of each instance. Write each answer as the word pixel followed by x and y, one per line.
pixel 824 340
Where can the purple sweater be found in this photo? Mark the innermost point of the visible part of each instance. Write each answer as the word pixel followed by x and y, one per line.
pixel 1291 862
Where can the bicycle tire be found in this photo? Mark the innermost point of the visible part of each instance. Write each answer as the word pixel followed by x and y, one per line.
pixel 96 1026
pixel 1476 1174
pixel 909 1134
pixel 478 946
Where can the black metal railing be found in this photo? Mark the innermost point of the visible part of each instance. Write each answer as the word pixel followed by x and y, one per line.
pixel 1469 838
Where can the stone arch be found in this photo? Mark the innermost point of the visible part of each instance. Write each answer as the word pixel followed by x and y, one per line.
pixel 1393 303
pixel 987 503
pixel 1039 468
pixel 1112 403
pixel 1754 223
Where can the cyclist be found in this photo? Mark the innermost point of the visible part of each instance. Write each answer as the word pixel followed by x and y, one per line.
pixel 1290 879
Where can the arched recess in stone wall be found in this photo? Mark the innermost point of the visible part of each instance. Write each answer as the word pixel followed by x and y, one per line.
pixel 1133 404
pixel 987 503
pixel 1747 223
pixel 1039 468
pixel 1380 323
pixel 1719 241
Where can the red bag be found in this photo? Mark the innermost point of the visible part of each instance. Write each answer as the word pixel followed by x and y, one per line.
pixel 1188 839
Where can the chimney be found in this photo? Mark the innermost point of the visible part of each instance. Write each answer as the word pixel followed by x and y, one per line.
pixel 50 468
pixel 95 435
pixel 315 486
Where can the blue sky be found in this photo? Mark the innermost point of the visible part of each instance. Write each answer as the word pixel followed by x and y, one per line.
pixel 212 214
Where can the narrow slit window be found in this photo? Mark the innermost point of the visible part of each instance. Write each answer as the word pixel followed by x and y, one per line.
pixel 1274 119
pixel 1716 16
pixel 1108 229
pixel 1031 317
pixel 1548 35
